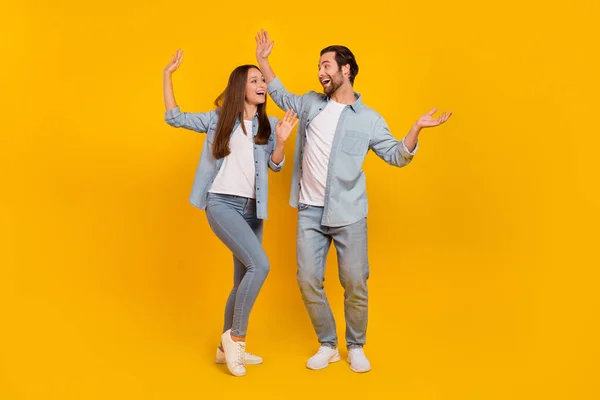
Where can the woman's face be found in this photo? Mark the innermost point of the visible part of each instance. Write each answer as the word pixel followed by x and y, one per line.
pixel 256 87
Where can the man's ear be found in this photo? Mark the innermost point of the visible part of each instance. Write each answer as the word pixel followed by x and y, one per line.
pixel 346 70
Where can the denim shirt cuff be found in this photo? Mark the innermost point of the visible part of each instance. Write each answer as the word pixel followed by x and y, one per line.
pixel 172 113
pixel 274 85
pixel 412 153
pixel 274 166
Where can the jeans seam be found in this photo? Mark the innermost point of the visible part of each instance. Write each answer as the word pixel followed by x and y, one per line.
pixel 319 273
pixel 245 295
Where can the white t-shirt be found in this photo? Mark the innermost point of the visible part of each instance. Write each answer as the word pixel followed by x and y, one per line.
pixel 237 174
pixel 315 163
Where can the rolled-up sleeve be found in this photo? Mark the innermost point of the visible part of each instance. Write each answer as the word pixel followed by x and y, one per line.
pixel 198 122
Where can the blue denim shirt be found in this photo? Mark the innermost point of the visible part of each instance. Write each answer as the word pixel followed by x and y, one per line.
pixel 359 130
pixel 209 167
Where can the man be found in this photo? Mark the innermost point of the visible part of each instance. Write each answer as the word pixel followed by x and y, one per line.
pixel 335 132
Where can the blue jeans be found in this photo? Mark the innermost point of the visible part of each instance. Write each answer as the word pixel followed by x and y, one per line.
pixel 233 219
pixel 313 243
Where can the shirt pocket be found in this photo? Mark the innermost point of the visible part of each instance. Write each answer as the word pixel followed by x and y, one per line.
pixel 264 154
pixel 355 143
pixel 269 146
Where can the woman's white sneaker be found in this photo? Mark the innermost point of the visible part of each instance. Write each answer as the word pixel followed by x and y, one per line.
pixel 234 354
pixel 358 361
pixel 249 359
pixel 324 356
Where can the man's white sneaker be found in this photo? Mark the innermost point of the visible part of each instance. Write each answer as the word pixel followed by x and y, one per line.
pixel 358 361
pixel 249 359
pixel 234 354
pixel 324 356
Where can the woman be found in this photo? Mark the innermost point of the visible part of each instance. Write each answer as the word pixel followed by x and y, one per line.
pixel 242 142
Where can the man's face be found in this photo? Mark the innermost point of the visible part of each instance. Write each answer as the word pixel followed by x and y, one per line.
pixel 330 74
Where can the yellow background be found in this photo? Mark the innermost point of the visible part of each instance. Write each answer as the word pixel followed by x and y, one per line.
pixel 484 251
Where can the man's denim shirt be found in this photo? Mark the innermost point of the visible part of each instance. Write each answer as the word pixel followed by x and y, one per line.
pixel 359 130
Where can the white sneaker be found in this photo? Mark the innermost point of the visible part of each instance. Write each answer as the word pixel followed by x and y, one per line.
pixel 234 354
pixel 358 361
pixel 324 356
pixel 249 359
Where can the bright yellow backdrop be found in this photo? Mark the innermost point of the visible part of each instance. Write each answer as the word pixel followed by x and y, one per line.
pixel 484 251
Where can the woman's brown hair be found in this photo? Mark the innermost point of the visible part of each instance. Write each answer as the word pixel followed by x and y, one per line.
pixel 230 106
